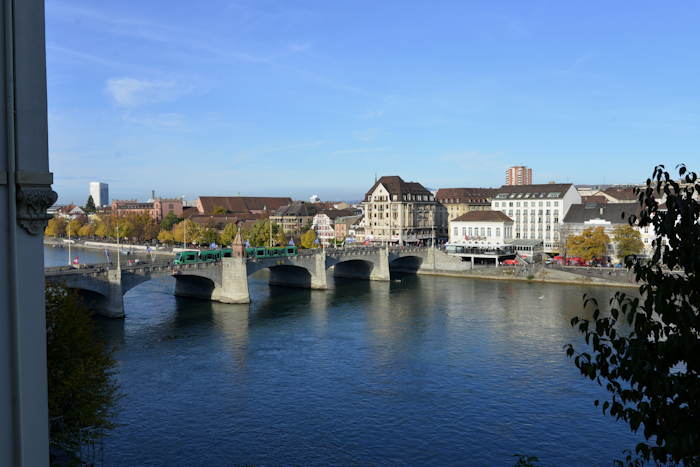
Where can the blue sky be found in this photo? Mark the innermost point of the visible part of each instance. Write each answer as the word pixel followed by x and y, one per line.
pixel 315 97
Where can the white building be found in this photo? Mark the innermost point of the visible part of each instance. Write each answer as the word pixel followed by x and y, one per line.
pixel 537 210
pixel 323 226
pixel 481 229
pixel 100 193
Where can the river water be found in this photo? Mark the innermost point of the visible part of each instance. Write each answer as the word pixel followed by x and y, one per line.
pixel 426 371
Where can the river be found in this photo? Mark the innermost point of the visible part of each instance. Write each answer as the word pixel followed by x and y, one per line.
pixel 426 371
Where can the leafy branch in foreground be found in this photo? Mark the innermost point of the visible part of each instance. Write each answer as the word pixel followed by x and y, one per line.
pixel 653 372
pixel 82 390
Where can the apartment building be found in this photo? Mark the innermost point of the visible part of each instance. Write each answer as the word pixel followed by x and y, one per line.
pixel 453 202
pixel 537 211
pixel 400 212
pixel 519 175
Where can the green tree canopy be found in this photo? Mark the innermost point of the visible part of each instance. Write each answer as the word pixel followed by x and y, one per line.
pixel 228 234
pixel 169 221
pixel 81 387
pixel 187 231
pixel 592 243
pixel 652 372
pixel 219 210
pixel 628 241
pixel 90 206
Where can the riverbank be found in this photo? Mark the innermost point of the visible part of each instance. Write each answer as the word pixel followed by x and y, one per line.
pixel 538 279
pixel 138 250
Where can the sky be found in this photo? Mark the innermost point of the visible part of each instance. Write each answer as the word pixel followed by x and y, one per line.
pixel 294 98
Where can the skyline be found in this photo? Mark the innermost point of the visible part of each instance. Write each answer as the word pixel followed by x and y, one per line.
pixel 184 102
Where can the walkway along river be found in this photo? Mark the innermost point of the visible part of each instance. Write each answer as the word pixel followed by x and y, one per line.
pixel 429 370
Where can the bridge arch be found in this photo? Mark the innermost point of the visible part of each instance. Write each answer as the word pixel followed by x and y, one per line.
pixel 195 286
pixel 407 264
pixel 353 268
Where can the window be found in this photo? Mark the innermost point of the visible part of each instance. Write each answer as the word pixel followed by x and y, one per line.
pixel 455 231
pixel 464 231
pixel 510 204
pixel 498 231
pixel 488 232
pixel 517 204
pixel 471 231
pixel 483 233
pixel 548 203
pixel 525 203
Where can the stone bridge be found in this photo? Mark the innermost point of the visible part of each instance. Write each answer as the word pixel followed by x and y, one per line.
pixel 227 280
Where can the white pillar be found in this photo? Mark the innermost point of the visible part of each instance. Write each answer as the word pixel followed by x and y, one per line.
pixel 25 194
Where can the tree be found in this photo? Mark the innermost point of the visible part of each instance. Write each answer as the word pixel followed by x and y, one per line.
pixel 169 221
pixel 259 234
pixel 56 227
pixel 308 239
pixel 87 230
pixel 90 206
pixel 592 243
pixel 279 235
pixel 219 210
pixel 653 372
pixel 628 241
pixel 209 235
pixel 228 234
pixel 81 387
pixel 74 226
pixel 187 231
pixel 165 236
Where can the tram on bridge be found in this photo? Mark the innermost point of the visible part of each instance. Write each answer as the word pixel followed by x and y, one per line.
pixel 210 256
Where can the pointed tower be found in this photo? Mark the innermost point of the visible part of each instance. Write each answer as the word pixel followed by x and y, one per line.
pixel 238 251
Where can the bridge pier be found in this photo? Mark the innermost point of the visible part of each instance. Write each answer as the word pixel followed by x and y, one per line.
pixel 114 303
pixel 380 271
pixel 306 272
pixel 233 287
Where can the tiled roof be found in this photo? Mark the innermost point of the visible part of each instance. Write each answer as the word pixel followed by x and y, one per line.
pixel 242 204
pixel 298 209
pixel 396 186
pixel 335 213
pixel 465 195
pixel 621 193
pixel 594 199
pixel 483 216
pixel 545 190
pixel 612 212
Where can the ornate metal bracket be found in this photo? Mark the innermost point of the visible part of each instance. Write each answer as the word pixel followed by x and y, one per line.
pixel 33 199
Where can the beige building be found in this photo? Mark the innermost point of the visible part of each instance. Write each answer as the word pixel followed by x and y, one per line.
pixel 400 212
pixel 453 202
pixel 295 217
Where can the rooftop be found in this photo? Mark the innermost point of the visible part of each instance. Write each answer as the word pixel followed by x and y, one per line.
pixel 483 216
pixel 396 186
pixel 615 213
pixel 465 195
pixel 541 191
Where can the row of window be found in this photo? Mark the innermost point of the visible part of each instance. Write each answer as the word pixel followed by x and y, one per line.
pixel 509 204
pixel 480 231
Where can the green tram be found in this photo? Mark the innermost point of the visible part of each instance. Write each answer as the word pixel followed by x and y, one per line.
pixel 210 256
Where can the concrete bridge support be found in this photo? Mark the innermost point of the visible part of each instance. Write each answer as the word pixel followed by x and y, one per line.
pixel 380 271
pixel 233 287
pixel 114 303
pixel 305 272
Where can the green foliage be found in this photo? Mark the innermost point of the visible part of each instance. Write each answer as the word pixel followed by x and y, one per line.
pixel 209 236
pixel 308 238
pixel 280 237
pixel 228 234
pixel 56 227
pixel 592 243
pixel 653 372
pixel 259 234
pixel 187 231
pixel 169 221
pixel 90 206
pixel 219 210
pixel 628 241
pixel 81 387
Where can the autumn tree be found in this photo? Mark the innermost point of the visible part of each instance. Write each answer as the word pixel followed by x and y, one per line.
pixel 308 239
pixel 165 236
pixel 628 240
pixel 280 236
pixel 74 226
pixel 652 371
pixel 56 227
pixel 592 243
pixel 81 388
pixel 187 231
pixel 87 230
pixel 90 206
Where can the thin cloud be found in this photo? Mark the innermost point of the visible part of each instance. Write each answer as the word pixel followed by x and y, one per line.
pixel 132 92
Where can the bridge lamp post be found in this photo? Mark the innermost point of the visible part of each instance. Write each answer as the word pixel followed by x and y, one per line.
pixel 119 250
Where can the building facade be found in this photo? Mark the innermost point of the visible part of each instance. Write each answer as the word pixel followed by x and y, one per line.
pixel 221 205
pixel 481 229
pixel 606 215
pixel 519 175
pixel 400 212
pixel 537 211
pixel 164 206
pixel 100 193
pixel 295 217
pixel 453 202
pixel 127 207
